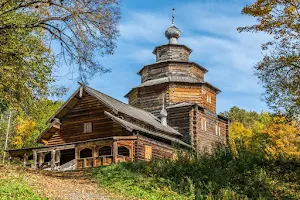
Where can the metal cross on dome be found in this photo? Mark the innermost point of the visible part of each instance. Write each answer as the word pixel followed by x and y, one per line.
pixel 173 10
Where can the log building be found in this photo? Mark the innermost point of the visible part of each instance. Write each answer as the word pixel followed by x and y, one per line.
pixel 173 107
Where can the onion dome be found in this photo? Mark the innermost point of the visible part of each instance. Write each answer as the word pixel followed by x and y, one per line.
pixel 172 32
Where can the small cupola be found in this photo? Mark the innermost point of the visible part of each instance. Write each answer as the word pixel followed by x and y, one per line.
pixel 163 114
pixel 172 33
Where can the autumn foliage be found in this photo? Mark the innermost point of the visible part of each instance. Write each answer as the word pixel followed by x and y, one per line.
pixel 23 130
pixel 283 138
pixel 272 136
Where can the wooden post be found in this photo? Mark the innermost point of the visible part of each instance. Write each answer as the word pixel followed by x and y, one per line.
pixel 115 152
pixel 94 156
pixel 52 159
pixel 76 157
pixel 25 158
pixel 34 164
pixel 57 157
pixel 84 163
pixel 131 152
pixel 41 159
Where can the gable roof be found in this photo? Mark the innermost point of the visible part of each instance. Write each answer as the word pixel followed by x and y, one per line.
pixel 117 107
pixel 130 127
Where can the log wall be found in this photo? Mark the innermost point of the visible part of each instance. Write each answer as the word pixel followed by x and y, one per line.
pixel 192 93
pixel 150 98
pixel 159 149
pixel 179 119
pixel 204 141
pixel 88 109
pixel 172 52
pixel 160 70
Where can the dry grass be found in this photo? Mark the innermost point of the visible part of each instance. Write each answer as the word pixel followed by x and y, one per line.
pixel 55 185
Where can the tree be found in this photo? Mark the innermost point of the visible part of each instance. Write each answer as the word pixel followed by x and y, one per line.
pixel 23 131
pixel 279 70
pixel 238 133
pixel 242 116
pixel 27 126
pixel 82 28
pixel 283 138
pixel 26 65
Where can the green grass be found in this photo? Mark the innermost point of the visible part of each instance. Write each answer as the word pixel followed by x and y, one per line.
pixel 119 179
pixel 217 176
pixel 13 186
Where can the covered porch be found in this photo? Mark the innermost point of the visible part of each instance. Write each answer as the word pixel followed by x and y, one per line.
pixel 78 155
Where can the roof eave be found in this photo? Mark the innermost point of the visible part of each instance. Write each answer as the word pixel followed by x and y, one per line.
pixel 174 61
pixel 179 45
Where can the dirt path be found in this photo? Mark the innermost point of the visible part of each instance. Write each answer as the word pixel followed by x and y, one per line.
pixel 66 186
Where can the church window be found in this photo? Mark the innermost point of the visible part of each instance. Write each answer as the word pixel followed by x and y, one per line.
pixel 218 129
pixel 87 127
pixel 203 124
pixel 208 99
pixel 148 152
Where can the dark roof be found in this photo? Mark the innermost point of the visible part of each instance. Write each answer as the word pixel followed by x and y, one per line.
pixel 224 118
pixel 178 105
pixel 173 61
pixel 130 126
pixel 173 79
pixel 129 110
pixel 184 104
pixel 118 106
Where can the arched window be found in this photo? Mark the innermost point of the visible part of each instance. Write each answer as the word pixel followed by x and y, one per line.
pixel 124 151
pixel 86 153
pixel 105 151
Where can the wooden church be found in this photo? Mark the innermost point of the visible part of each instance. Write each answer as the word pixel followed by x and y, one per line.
pixel 173 107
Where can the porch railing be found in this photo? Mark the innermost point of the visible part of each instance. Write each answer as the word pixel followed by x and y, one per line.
pixel 100 161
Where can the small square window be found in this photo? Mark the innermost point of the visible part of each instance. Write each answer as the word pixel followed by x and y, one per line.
pixel 87 127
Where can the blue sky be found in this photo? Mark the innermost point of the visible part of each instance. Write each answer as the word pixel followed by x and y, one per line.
pixel 208 27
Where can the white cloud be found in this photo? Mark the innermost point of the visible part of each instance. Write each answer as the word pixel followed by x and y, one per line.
pixel 208 28
pixel 147 27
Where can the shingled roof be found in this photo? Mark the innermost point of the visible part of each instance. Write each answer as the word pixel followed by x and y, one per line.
pixel 134 112
pixel 118 107
pixel 130 127
pixel 173 78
